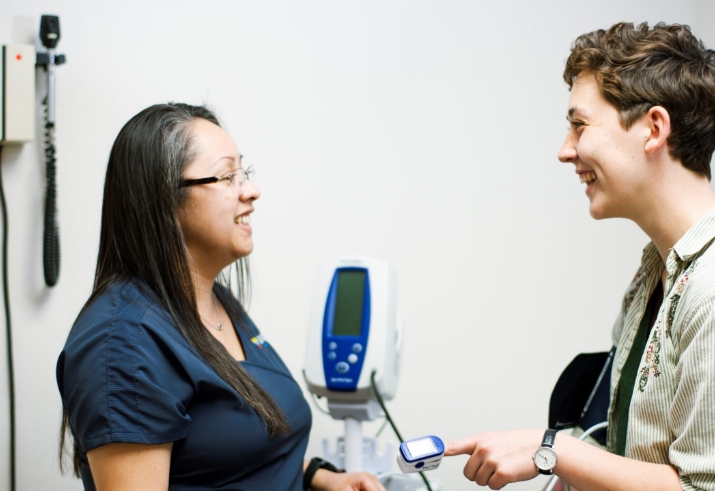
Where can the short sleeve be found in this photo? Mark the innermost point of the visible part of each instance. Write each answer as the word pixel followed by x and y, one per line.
pixel 119 378
pixel 693 450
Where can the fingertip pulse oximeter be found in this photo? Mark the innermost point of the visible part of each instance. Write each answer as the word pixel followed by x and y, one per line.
pixel 420 454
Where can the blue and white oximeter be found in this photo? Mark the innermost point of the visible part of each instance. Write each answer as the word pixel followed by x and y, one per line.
pixel 420 454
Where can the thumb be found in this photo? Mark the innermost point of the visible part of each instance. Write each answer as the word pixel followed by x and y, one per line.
pixel 463 446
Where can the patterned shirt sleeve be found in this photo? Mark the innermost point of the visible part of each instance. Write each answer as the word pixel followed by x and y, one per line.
pixel 693 410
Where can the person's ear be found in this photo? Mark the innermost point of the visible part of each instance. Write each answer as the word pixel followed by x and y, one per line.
pixel 658 122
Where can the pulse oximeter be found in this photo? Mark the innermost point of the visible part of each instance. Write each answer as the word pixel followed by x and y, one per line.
pixel 421 454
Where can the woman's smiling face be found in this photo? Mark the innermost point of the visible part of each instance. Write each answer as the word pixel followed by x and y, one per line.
pixel 214 219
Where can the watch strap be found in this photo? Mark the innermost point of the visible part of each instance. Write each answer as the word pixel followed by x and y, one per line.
pixel 313 466
pixel 549 438
pixel 547 442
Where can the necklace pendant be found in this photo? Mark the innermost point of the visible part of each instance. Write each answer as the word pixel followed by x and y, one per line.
pixel 219 327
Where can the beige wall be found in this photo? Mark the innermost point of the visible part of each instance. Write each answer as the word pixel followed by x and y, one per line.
pixel 704 27
pixel 704 21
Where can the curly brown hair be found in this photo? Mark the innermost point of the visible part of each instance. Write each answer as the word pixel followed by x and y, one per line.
pixel 637 67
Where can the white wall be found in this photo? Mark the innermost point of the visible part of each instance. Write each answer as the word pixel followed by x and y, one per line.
pixel 704 21
pixel 424 133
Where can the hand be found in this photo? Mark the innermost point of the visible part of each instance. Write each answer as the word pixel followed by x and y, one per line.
pixel 498 458
pixel 346 481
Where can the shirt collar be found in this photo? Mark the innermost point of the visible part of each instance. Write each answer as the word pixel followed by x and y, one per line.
pixel 697 237
pixel 650 260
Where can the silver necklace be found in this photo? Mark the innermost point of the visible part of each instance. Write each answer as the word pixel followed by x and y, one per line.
pixel 219 326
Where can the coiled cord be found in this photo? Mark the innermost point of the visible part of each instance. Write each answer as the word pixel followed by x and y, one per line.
pixel 51 236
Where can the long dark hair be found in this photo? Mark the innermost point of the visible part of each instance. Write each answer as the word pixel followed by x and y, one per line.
pixel 141 241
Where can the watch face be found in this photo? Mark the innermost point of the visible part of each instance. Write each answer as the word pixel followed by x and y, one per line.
pixel 545 458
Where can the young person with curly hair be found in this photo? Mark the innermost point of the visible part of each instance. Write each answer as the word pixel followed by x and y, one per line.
pixel 642 134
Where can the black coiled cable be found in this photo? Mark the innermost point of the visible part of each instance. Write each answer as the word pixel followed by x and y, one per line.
pixel 51 237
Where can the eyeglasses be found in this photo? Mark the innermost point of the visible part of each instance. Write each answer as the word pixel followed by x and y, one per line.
pixel 236 179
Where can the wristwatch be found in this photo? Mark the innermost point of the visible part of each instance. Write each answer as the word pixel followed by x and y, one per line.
pixel 545 456
pixel 315 464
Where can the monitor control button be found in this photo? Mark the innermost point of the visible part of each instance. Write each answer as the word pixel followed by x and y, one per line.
pixel 342 367
pixel 352 358
pixel 331 355
pixel 419 464
pixel 357 348
pixel 333 345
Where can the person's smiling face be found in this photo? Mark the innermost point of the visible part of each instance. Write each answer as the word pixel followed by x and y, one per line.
pixel 214 219
pixel 608 158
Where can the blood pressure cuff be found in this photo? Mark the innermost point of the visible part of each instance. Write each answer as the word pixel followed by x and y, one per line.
pixel 581 395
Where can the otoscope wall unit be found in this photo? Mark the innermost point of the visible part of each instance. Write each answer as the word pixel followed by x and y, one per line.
pixel 18 64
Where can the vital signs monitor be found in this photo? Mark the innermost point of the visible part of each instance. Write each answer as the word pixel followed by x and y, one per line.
pixel 354 331
pixel 352 359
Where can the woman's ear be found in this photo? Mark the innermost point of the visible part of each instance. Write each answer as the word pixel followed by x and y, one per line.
pixel 658 122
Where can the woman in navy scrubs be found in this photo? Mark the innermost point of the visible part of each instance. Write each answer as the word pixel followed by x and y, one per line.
pixel 165 381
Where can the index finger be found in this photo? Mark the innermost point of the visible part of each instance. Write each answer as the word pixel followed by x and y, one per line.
pixel 463 446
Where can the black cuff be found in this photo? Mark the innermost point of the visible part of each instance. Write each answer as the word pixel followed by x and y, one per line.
pixel 315 464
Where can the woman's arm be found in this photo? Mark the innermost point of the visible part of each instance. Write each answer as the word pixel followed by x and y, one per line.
pixel 130 467
pixel 503 457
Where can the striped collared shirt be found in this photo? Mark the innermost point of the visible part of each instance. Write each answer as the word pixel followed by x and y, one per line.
pixel 672 412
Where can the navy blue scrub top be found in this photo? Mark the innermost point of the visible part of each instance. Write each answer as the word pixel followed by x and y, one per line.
pixel 126 374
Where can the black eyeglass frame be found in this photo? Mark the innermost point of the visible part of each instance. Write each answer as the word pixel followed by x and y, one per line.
pixel 244 176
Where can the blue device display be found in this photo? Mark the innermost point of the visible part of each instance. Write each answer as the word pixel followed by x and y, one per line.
pixel 420 454
pixel 346 326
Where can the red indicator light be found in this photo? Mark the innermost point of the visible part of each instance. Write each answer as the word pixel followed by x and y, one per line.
pixel 18 57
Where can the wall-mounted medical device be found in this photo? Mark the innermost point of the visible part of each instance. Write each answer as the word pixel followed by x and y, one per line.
pixel 17 93
pixel 50 36
pixel 354 330
pixel 420 454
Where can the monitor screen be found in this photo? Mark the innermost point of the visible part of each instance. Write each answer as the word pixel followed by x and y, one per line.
pixel 349 303
pixel 421 447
